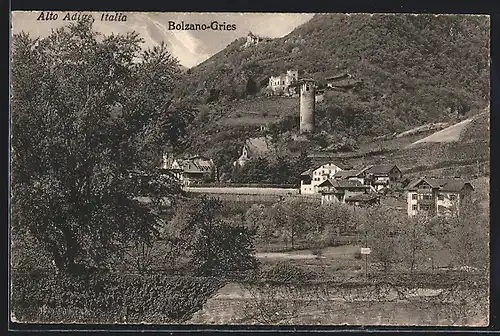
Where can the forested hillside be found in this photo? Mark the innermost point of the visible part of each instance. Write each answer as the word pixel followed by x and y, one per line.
pixel 414 69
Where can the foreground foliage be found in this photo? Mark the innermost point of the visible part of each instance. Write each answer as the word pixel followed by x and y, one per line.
pixel 85 114
pixel 108 298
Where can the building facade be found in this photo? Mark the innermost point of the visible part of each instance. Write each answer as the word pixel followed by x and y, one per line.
pixel 380 176
pixel 252 40
pixel 312 178
pixel 284 83
pixel 441 197
pixel 192 170
pixel 346 191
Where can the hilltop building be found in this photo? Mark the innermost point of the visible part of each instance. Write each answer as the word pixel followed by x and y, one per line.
pixel 252 40
pixel 441 197
pixel 342 82
pixel 283 84
pixel 307 105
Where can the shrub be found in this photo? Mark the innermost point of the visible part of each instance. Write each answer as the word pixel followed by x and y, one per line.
pixel 107 298
pixel 284 272
pixel 358 255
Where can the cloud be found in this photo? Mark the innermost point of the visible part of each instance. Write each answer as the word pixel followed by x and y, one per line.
pixel 190 47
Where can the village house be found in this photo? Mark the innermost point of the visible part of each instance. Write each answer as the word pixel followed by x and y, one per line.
pixel 380 176
pixel 346 191
pixel 284 83
pixel 348 175
pixel 191 170
pixel 312 178
pixel 432 196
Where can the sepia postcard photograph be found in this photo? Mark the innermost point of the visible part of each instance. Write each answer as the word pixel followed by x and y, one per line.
pixel 265 169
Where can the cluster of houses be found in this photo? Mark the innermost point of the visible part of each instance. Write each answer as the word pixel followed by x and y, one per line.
pixel 366 186
pixel 334 183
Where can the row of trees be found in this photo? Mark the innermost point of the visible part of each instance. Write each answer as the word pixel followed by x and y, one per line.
pixel 278 170
pixel 398 242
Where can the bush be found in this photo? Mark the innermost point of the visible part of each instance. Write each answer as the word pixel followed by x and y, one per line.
pixel 284 272
pixel 358 255
pixel 107 298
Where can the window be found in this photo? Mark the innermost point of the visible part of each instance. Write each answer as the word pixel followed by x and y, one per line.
pixel 414 207
pixel 453 197
pixel 440 197
pixel 414 197
pixel 427 197
pixel 307 87
pixel 425 207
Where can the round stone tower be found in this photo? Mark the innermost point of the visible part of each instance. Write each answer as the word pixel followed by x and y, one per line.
pixel 307 101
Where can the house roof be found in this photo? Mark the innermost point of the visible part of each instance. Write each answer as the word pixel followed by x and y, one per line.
pixel 196 164
pixel 344 184
pixel 311 170
pixel 379 169
pixel 338 76
pixel 308 172
pixel 453 185
pixel 344 174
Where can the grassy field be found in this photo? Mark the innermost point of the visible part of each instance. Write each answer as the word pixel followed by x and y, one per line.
pixel 260 111
pixel 233 302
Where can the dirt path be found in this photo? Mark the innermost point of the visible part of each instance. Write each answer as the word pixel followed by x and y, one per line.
pixel 449 134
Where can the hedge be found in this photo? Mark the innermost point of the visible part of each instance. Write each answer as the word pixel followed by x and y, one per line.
pixel 109 298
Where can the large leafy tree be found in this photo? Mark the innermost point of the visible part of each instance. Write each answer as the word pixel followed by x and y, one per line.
pixel 87 110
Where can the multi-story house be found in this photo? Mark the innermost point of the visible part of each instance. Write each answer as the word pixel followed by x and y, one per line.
pixel 284 83
pixel 380 176
pixel 346 191
pixel 192 170
pixel 312 178
pixel 432 196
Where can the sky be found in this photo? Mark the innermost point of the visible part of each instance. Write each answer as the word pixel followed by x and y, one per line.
pixel 188 46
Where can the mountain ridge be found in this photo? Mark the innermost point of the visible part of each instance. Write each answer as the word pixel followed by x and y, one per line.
pixel 415 69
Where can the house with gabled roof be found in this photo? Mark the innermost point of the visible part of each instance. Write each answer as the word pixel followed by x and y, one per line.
pixel 311 178
pixel 380 176
pixel 192 170
pixel 346 191
pixel 437 196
